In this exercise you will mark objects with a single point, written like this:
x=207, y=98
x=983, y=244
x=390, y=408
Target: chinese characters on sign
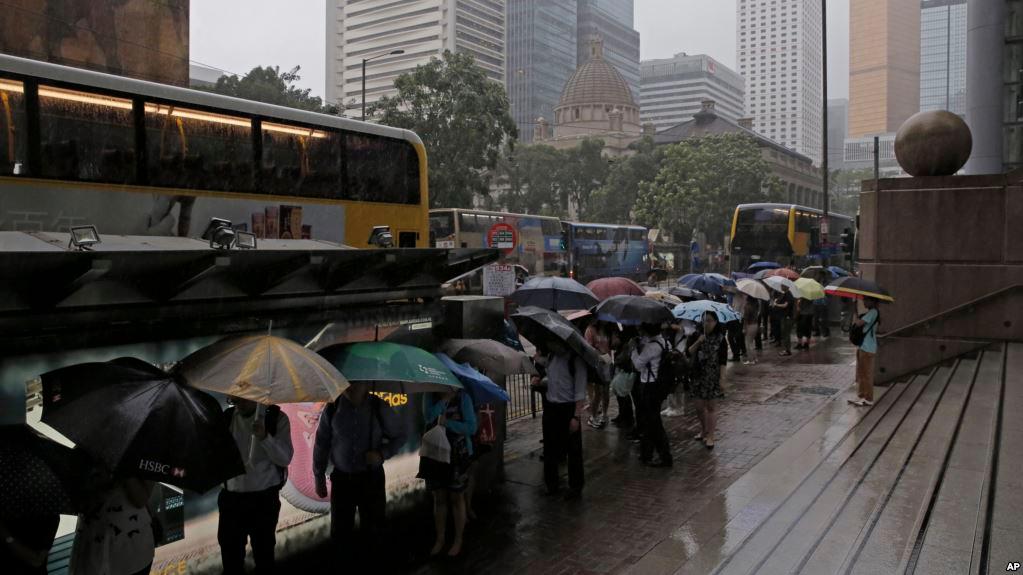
x=498, y=280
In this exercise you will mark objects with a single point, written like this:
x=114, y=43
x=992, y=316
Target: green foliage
x=463, y=119
x=271, y=86
x=614, y=201
x=845, y=190
x=701, y=181
x=543, y=180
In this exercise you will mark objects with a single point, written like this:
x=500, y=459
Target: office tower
x=780, y=57
x=423, y=29
x=943, y=55
x=672, y=89
x=611, y=21
x=541, y=58
x=884, y=65
x=838, y=119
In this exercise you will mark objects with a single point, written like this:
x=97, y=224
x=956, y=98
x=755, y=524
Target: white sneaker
x=866, y=402
x=856, y=401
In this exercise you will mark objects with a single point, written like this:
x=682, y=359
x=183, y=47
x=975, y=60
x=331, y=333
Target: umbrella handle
x=259, y=416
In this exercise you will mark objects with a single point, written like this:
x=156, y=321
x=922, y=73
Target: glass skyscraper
x=541, y=58
x=611, y=20
x=943, y=55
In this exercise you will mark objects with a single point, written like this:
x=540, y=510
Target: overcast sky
x=237, y=35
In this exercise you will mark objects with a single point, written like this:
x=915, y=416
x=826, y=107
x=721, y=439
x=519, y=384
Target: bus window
x=86, y=136
x=550, y=227
x=636, y=236
x=467, y=224
x=379, y=169
x=198, y=150
x=442, y=224
x=302, y=161
x=13, y=137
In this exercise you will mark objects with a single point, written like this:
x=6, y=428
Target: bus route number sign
x=503, y=237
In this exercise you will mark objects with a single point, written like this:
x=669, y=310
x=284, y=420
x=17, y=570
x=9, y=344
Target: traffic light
x=847, y=241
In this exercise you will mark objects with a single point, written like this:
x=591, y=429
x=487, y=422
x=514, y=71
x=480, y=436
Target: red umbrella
x=604, y=288
x=783, y=272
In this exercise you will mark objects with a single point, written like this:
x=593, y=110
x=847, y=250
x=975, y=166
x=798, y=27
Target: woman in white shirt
x=117, y=537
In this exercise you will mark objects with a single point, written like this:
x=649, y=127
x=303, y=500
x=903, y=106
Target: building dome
x=597, y=82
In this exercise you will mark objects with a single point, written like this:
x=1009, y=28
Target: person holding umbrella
x=25, y=544
x=598, y=335
x=647, y=360
x=866, y=353
x=751, y=328
x=782, y=306
x=564, y=408
x=708, y=356
x=250, y=504
x=115, y=537
x=454, y=411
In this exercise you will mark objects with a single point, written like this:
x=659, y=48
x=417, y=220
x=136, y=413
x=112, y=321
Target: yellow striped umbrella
x=265, y=369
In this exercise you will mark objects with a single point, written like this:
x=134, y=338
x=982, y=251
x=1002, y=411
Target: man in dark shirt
x=784, y=304
x=355, y=434
x=25, y=544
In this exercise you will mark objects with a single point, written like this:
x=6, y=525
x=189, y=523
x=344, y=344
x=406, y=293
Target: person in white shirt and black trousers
x=565, y=399
x=250, y=504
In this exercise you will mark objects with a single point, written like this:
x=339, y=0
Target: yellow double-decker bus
x=786, y=234
x=137, y=158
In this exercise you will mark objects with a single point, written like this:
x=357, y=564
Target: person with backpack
x=656, y=377
x=250, y=503
x=708, y=354
x=356, y=433
x=564, y=406
x=864, y=335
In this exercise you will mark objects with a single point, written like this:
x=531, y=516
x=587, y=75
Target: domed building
x=596, y=103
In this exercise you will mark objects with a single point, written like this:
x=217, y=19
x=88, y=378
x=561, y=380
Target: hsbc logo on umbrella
x=161, y=468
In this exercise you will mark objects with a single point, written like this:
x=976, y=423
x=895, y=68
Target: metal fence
x=524, y=402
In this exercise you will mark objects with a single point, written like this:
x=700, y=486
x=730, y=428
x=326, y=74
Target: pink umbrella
x=604, y=288
x=783, y=272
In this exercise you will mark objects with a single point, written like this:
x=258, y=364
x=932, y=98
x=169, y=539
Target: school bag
x=857, y=333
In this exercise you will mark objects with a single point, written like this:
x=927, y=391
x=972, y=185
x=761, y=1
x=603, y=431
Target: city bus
x=537, y=240
x=130, y=157
x=785, y=233
x=606, y=250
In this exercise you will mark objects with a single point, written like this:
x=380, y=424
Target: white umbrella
x=753, y=288
x=776, y=283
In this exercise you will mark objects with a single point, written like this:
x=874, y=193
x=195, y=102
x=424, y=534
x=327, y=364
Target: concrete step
x=802, y=511
x=1004, y=533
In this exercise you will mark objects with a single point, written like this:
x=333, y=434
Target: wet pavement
x=926, y=481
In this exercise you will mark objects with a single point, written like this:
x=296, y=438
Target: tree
x=271, y=86
x=463, y=118
x=530, y=182
x=613, y=203
x=583, y=171
x=845, y=190
x=701, y=181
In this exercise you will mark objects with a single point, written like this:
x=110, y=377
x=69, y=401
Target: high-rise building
x=838, y=128
x=884, y=65
x=611, y=21
x=943, y=55
x=781, y=57
x=423, y=29
x=994, y=85
x=541, y=58
x=672, y=89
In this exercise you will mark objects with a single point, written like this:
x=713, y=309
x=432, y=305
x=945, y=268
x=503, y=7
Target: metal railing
x=523, y=401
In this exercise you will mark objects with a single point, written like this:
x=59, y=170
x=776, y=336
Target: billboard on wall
x=136, y=38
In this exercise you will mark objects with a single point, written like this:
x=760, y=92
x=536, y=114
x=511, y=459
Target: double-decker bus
x=538, y=243
x=137, y=158
x=606, y=250
x=784, y=233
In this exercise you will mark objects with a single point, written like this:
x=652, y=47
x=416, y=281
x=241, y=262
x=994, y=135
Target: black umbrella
x=633, y=310
x=43, y=477
x=141, y=422
x=540, y=325
x=686, y=293
x=554, y=293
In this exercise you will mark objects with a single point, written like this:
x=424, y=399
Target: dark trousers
x=776, y=328
x=625, y=410
x=654, y=436
x=558, y=442
x=637, y=402
x=735, y=340
x=820, y=317
x=366, y=493
x=786, y=333
x=248, y=517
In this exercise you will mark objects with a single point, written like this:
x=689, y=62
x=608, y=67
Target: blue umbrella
x=480, y=387
x=700, y=282
x=725, y=281
x=763, y=266
x=741, y=276
x=694, y=310
x=838, y=271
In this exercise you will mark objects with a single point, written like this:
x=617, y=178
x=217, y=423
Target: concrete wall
x=936, y=244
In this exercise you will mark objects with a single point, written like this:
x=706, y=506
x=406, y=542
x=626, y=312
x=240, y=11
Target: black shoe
x=573, y=494
x=659, y=463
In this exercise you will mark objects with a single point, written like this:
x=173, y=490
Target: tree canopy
x=463, y=118
x=270, y=85
x=614, y=201
x=700, y=182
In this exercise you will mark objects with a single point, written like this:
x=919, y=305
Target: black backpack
x=857, y=333
x=672, y=368
x=272, y=416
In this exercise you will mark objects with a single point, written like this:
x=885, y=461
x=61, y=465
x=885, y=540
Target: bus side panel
x=363, y=216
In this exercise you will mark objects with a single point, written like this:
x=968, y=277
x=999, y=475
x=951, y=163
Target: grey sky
x=237, y=35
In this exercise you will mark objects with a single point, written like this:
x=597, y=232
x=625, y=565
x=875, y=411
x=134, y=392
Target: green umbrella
x=391, y=367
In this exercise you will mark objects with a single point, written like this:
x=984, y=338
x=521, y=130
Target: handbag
x=435, y=445
x=622, y=382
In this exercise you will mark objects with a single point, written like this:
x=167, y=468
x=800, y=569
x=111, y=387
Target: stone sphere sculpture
x=934, y=143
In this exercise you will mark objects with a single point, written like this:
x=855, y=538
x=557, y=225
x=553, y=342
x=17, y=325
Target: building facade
x=943, y=55
x=671, y=89
x=423, y=29
x=799, y=178
x=884, y=65
x=542, y=55
x=838, y=128
x=780, y=56
x=612, y=21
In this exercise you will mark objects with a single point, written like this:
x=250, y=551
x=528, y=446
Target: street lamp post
x=824, y=128
x=364, y=60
